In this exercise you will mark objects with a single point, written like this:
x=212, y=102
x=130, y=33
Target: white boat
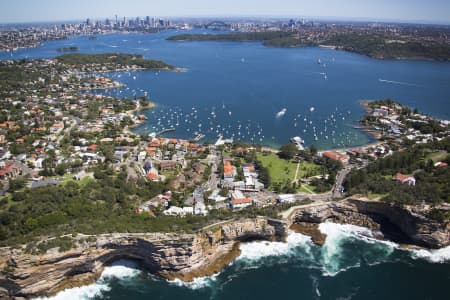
x=299, y=142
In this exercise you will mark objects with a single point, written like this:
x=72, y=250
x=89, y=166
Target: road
x=337, y=191
x=287, y=214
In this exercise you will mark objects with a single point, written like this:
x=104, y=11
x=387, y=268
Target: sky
x=428, y=11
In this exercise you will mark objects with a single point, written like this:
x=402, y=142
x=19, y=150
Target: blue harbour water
x=237, y=89
x=268, y=95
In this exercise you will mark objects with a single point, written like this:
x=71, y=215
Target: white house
x=241, y=203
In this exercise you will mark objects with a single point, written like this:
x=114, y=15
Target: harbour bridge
x=218, y=25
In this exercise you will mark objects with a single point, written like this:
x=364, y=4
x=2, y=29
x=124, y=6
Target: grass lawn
x=306, y=188
x=437, y=156
x=374, y=196
x=308, y=169
x=280, y=170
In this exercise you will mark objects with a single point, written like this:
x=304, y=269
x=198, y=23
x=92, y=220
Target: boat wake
x=281, y=113
x=396, y=82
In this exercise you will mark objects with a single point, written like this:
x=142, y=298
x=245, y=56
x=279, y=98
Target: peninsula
x=376, y=45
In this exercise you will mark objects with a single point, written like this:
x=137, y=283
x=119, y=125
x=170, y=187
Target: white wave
x=258, y=250
x=334, y=230
x=79, y=293
x=197, y=283
x=435, y=256
x=334, y=257
x=121, y=269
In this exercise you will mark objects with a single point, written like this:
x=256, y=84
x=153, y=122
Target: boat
x=198, y=137
x=299, y=142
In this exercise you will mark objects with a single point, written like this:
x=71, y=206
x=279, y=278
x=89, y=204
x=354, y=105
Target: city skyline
x=434, y=11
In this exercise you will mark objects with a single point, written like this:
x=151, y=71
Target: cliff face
x=419, y=229
x=172, y=256
x=186, y=256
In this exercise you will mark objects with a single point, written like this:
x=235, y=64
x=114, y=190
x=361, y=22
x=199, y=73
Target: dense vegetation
x=101, y=205
x=112, y=58
x=432, y=183
x=367, y=44
x=379, y=47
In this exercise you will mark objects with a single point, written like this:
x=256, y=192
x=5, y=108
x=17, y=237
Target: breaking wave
x=121, y=270
x=346, y=247
x=434, y=256
x=197, y=283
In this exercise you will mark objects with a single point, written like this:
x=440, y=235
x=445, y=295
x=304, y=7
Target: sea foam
x=435, y=256
x=257, y=250
x=197, y=283
x=121, y=269
x=84, y=292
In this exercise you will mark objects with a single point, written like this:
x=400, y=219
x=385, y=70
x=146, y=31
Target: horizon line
x=311, y=18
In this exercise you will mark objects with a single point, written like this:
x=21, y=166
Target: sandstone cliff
x=183, y=256
x=417, y=228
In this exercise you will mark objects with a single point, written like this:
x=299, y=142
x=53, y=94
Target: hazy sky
x=57, y=10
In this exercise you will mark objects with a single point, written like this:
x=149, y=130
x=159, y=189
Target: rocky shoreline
x=171, y=256
x=187, y=256
x=400, y=224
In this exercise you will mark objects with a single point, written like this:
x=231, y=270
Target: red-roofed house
x=441, y=164
x=334, y=155
x=410, y=180
x=153, y=176
x=9, y=170
x=241, y=203
x=92, y=147
x=229, y=171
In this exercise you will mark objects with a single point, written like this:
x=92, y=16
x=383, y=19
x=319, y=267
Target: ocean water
x=238, y=89
x=350, y=265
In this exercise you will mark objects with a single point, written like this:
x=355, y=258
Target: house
x=241, y=203
x=410, y=180
x=153, y=176
x=334, y=155
x=229, y=171
x=9, y=170
x=286, y=198
x=92, y=148
x=119, y=155
x=142, y=155
x=167, y=165
x=178, y=211
x=441, y=164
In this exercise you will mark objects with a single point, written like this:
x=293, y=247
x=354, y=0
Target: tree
x=313, y=149
x=16, y=184
x=223, y=193
x=61, y=169
x=288, y=151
